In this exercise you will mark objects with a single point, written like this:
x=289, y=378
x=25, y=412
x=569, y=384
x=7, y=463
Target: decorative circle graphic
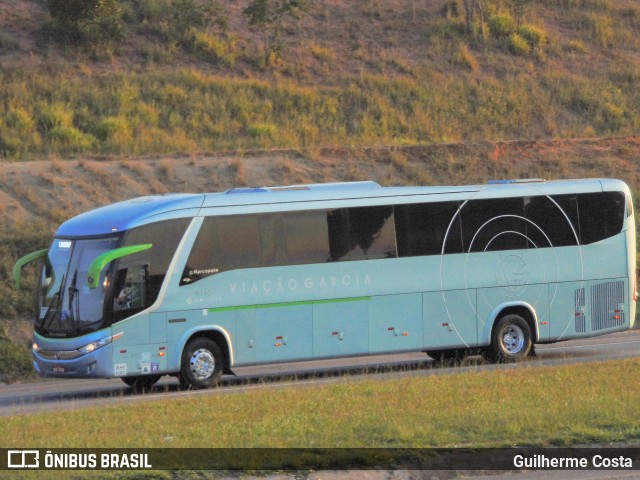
x=494, y=275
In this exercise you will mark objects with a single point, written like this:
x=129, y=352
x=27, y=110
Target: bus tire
x=511, y=340
x=449, y=356
x=202, y=364
x=141, y=381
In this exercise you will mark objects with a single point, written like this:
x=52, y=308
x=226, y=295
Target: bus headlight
x=90, y=347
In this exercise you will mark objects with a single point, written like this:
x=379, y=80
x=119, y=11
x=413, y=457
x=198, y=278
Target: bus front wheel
x=511, y=340
x=202, y=364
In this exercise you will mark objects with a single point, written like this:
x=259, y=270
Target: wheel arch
x=523, y=309
x=215, y=333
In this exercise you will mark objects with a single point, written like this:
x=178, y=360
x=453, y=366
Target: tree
x=470, y=7
x=96, y=22
x=267, y=16
x=190, y=14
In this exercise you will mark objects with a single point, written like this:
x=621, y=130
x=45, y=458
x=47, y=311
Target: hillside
x=350, y=72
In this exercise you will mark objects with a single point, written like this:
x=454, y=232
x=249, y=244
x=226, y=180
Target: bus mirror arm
x=17, y=268
x=101, y=261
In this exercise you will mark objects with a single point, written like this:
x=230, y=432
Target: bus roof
x=128, y=214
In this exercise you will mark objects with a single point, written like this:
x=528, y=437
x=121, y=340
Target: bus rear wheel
x=142, y=381
x=511, y=340
x=202, y=364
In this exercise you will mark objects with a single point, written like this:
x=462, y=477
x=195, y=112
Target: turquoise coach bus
x=193, y=285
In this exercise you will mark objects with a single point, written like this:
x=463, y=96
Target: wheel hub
x=513, y=339
x=202, y=364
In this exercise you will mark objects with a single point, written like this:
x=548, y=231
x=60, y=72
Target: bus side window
x=361, y=233
x=428, y=229
x=494, y=225
x=131, y=288
x=601, y=215
x=549, y=226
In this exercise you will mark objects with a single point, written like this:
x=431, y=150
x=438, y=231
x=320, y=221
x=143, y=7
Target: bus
x=195, y=285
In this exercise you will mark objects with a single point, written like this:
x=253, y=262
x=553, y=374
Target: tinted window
x=569, y=205
x=549, y=226
x=421, y=229
x=601, y=215
x=595, y=216
x=362, y=233
x=138, y=277
x=306, y=237
x=225, y=243
x=236, y=242
x=294, y=238
x=261, y=240
x=496, y=224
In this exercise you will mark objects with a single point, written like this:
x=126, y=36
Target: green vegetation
x=536, y=406
x=159, y=111
x=267, y=16
x=17, y=241
x=211, y=76
x=15, y=361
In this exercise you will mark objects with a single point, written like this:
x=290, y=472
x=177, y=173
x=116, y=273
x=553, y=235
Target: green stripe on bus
x=288, y=304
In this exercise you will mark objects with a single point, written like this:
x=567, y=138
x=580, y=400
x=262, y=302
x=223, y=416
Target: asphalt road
x=61, y=394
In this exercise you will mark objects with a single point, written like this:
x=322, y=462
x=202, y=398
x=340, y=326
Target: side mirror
x=103, y=260
x=17, y=268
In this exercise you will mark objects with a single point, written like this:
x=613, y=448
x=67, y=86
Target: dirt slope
x=55, y=190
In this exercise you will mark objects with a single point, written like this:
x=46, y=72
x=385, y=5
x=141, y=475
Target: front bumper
x=74, y=364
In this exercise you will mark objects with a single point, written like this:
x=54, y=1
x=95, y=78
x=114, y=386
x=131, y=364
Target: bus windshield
x=67, y=307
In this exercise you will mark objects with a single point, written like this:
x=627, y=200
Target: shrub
x=53, y=116
x=213, y=47
x=502, y=25
x=115, y=134
x=70, y=139
x=321, y=53
x=87, y=21
x=535, y=36
x=263, y=130
x=20, y=119
x=518, y=45
x=10, y=145
x=15, y=361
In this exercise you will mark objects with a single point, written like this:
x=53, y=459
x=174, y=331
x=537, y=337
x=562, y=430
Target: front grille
x=59, y=354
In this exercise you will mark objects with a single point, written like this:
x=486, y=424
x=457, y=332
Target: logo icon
x=23, y=459
x=512, y=275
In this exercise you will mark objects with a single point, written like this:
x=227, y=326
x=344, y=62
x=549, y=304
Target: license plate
x=57, y=369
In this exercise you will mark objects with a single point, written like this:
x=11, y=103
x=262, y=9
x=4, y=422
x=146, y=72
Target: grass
x=151, y=112
x=535, y=406
x=371, y=85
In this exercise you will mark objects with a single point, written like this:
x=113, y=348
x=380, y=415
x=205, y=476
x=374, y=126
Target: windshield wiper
x=74, y=307
x=57, y=299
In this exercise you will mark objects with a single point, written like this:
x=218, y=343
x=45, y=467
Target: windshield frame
x=66, y=306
